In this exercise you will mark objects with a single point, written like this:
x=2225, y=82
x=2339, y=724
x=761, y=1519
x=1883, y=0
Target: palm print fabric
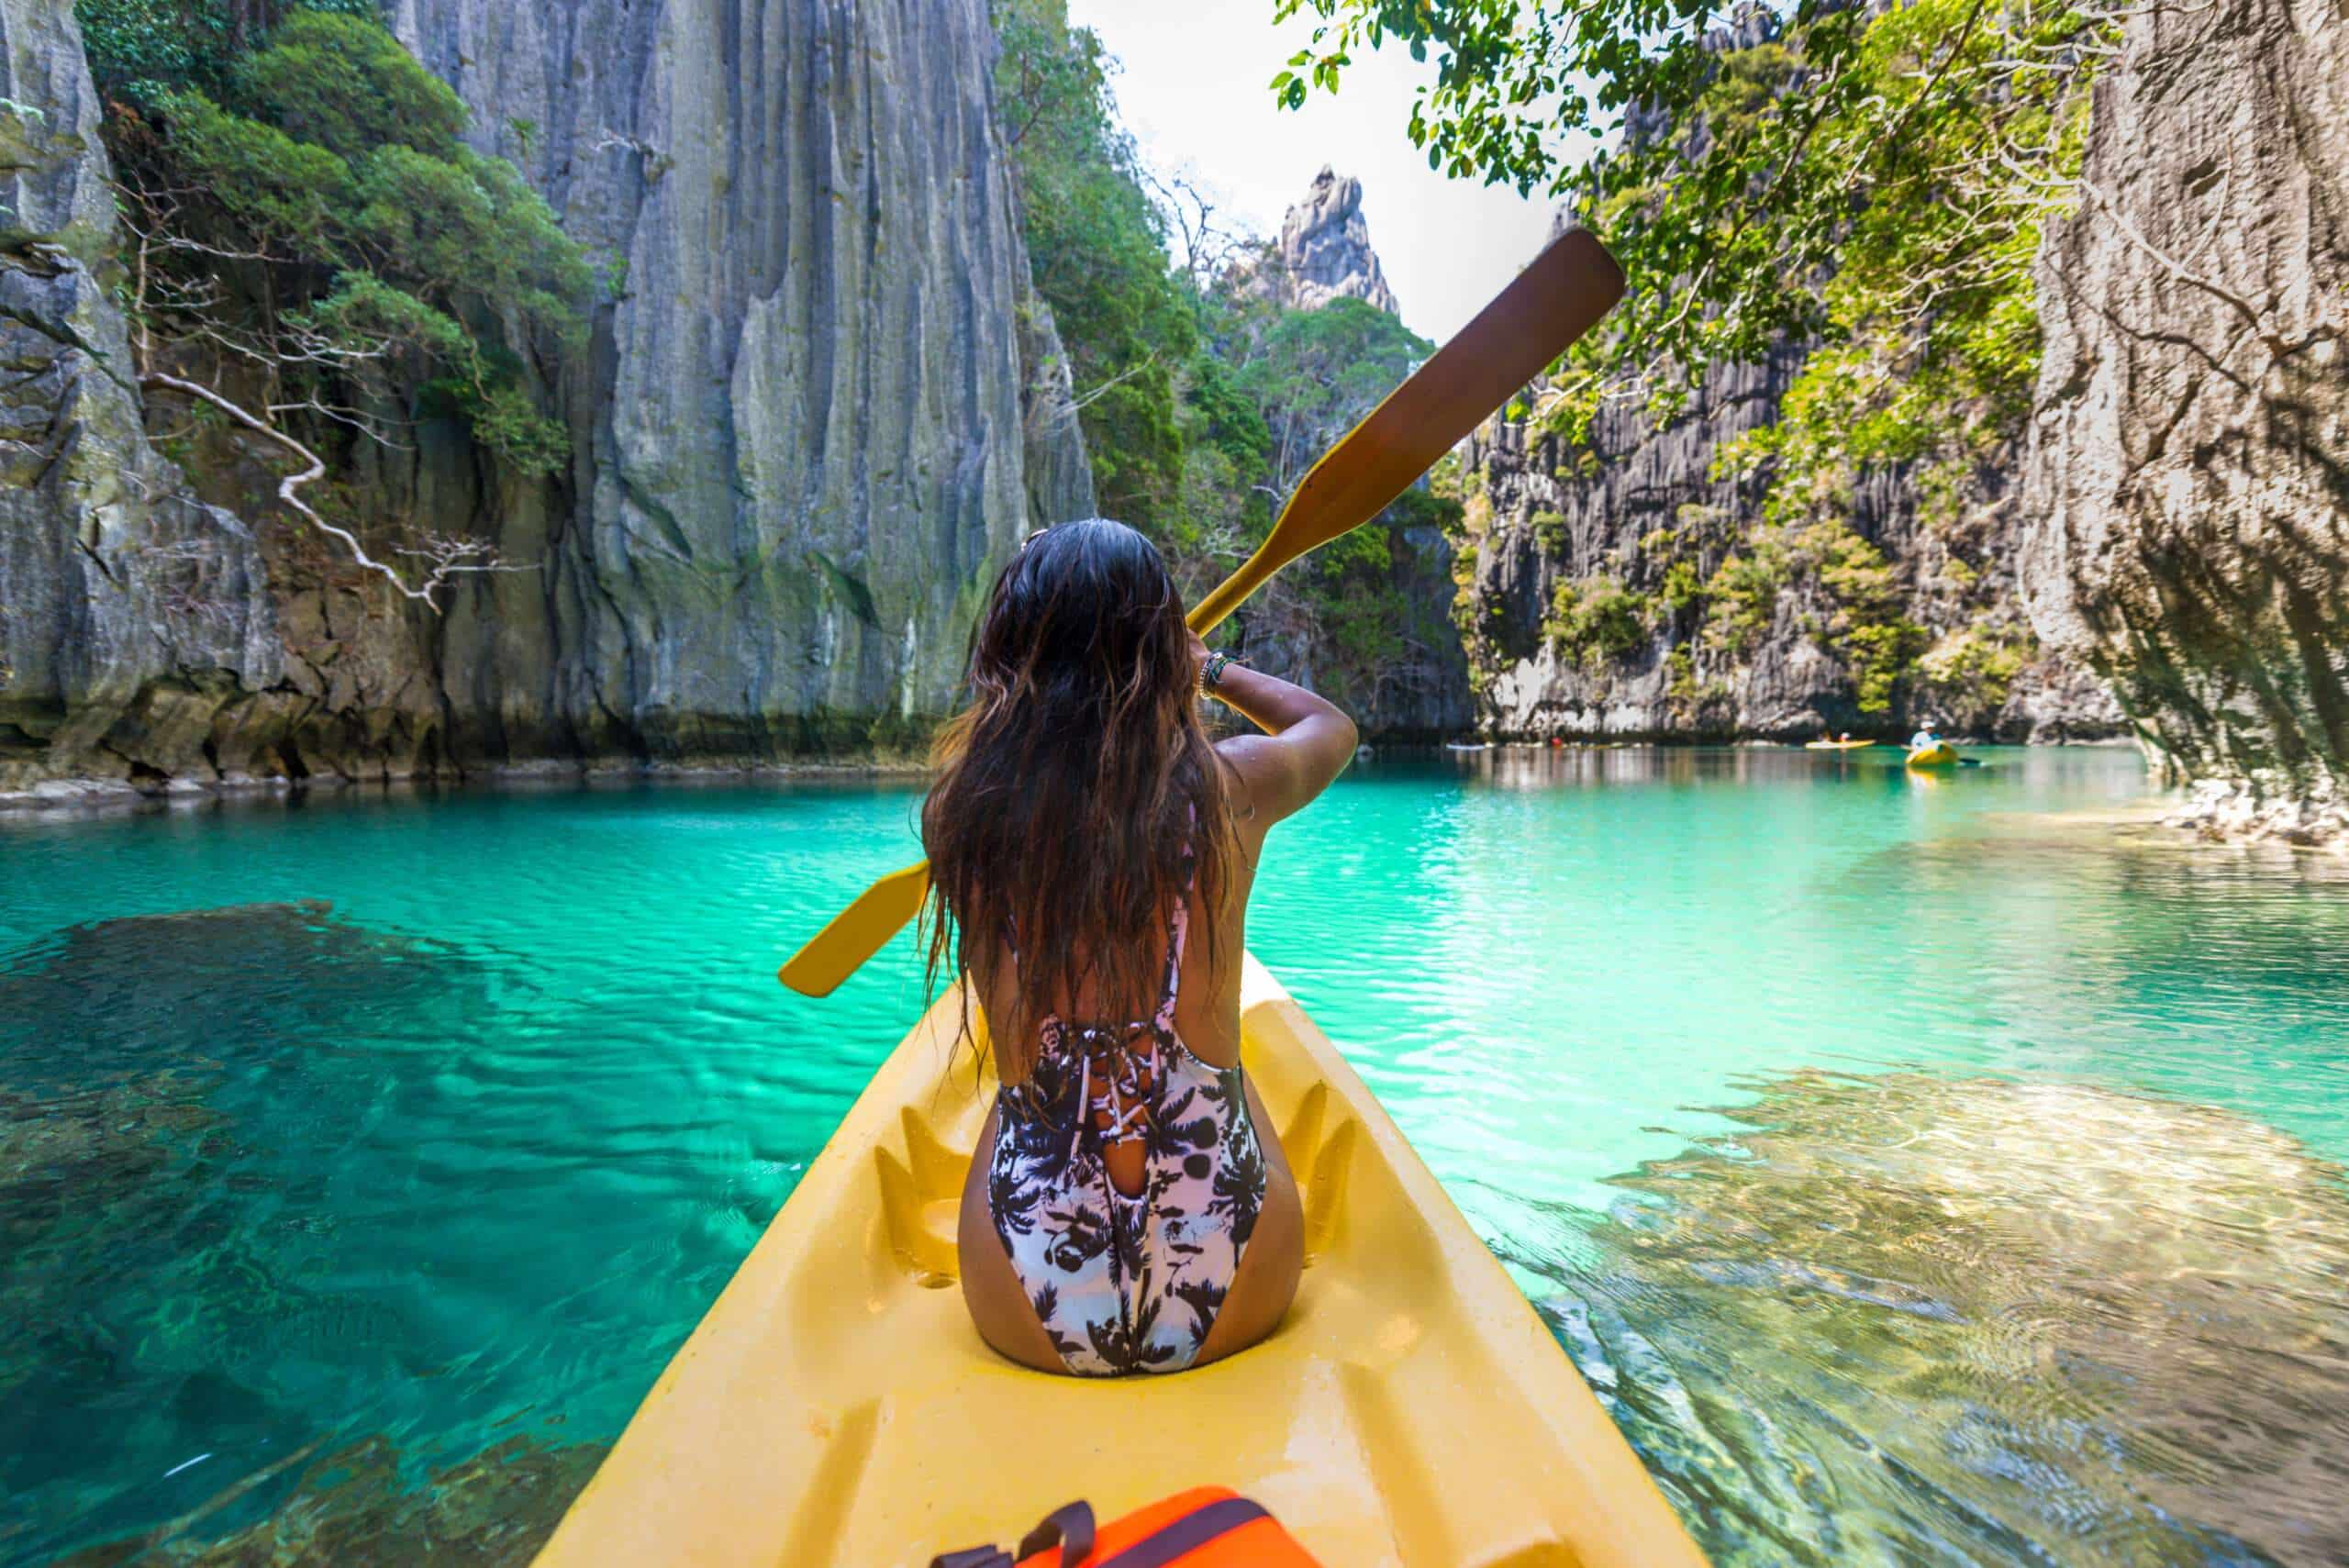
x=1126, y=1284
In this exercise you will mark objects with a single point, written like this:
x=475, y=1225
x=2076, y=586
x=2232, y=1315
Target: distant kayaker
x=1129, y=1209
x=1923, y=738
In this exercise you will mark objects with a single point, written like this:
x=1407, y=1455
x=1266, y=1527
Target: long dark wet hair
x=1077, y=792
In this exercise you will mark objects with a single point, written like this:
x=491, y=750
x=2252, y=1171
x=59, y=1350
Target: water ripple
x=362, y=1164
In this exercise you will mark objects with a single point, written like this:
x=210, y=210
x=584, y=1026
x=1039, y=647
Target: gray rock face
x=2188, y=469
x=821, y=409
x=134, y=619
x=1324, y=251
x=808, y=434
x=1417, y=695
x=1546, y=514
x=1644, y=479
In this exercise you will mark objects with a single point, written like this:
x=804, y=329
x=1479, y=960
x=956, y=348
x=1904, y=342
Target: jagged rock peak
x=1325, y=250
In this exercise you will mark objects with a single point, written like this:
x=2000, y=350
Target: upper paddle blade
x=856, y=934
x=1528, y=324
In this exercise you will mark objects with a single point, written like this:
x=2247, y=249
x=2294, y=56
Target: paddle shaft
x=1530, y=323
x=1535, y=319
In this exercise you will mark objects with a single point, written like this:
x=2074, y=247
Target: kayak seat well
x=921, y=1187
x=836, y=1406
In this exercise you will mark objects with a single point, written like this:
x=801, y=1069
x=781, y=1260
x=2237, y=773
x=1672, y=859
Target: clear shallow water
x=1920, y=1175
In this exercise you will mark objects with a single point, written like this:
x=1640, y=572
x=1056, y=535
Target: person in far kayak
x=1129, y=1209
x=1922, y=738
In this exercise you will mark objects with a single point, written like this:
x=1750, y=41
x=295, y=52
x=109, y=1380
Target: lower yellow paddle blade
x=857, y=932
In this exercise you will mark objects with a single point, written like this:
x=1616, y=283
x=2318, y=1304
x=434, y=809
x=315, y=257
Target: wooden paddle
x=1528, y=324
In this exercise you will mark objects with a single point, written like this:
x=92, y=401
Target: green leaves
x=345, y=83
x=1872, y=180
x=329, y=160
x=141, y=49
x=1595, y=619
x=1728, y=180
x=280, y=189
x=1097, y=250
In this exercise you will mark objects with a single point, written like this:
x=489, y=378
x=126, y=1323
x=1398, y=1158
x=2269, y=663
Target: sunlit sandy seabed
x=1923, y=1170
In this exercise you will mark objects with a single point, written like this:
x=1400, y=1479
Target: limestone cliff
x=2188, y=472
x=1641, y=497
x=1630, y=526
x=133, y=620
x=803, y=439
x=821, y=409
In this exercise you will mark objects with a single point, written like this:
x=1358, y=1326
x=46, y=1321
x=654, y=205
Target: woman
x=1129, y=1209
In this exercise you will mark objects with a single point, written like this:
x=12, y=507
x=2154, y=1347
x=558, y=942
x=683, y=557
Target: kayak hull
x=1941, y=754
x=1837, y=745
x=837, y=1407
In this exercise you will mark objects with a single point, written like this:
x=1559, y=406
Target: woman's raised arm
x=1307, y=740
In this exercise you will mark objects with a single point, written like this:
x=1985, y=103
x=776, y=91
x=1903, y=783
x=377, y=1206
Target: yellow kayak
x=836, y=1406
x=1939, y=754
x=1837, y=745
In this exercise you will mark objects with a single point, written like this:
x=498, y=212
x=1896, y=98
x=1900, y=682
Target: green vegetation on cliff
x=1097, y=244
x=1203, y=401
x=1906, y=157
x=314, y=253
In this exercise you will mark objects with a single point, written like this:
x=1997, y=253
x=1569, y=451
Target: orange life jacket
x=1207, y=1526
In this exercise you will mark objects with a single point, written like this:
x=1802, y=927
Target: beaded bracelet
x=1211, y=673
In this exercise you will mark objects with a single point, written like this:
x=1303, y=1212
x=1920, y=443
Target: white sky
x=1193, y=92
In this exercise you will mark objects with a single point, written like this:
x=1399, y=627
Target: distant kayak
x=1468, y=746
x=1939, y=754
x=1837, y=745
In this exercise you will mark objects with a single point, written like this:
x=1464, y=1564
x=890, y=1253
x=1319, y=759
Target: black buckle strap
x=1072, y=1529
x=1189, y=1533
x=1069, y=1527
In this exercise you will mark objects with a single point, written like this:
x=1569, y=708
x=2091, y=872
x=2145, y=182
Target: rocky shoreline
x=2243, y=811
x=105, y=794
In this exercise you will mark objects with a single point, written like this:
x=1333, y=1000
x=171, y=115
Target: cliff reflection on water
x=1901, y=1319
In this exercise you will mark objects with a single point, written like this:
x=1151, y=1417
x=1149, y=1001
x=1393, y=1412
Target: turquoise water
x=1924, y=1169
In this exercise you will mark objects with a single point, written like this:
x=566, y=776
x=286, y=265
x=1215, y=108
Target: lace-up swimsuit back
x=1126, y=1282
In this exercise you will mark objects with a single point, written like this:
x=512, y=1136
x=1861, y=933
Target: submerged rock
x=188, y=988
x=179, y=1096
x=1907, y=1319
x=357, y=1506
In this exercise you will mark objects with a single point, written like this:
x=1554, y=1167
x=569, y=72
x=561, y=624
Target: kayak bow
x=837, y=1407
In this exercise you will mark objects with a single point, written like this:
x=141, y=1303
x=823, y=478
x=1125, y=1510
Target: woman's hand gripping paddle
x=1528, y=324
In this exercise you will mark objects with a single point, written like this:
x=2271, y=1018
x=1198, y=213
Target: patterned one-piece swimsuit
x=1126, y=1284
